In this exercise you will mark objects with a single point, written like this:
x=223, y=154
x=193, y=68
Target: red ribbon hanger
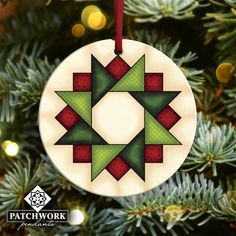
x=119, y=12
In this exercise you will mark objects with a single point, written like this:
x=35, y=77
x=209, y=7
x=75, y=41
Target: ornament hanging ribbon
x=119, y=12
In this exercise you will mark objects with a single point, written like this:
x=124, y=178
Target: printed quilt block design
x=90, y=145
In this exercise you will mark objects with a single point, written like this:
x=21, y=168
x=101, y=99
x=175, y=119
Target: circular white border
x=80, y=174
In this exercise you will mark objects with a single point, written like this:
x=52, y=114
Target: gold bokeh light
x=93, y=17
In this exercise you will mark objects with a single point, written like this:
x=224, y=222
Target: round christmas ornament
x=117, y=125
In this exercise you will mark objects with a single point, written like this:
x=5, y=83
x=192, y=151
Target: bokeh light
x=77, y=217
x=78, y=30
x=10, y=148
x=93, y=17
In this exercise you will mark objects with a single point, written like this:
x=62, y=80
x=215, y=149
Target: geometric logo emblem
x=118, y=118
x=37, y=198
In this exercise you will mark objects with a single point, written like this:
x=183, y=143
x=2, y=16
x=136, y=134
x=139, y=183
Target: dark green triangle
x=155, y=133
x=133, y=80
x=133, y=154
x=102, y=155
x=81, y=133
x=154, y=102
x=102, y=81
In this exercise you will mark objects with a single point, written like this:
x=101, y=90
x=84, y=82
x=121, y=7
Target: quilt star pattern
x=89, y=146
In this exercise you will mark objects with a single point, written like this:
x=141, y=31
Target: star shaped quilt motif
x=91, y=147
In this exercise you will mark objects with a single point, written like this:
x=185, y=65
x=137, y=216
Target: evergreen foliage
x=32, y=40
x=214, y=145
x=164, y=44
x=155, y=10
x=199, y=195
x=17, y=182
x=173, y=204
x=21, y=85
x=222, y=26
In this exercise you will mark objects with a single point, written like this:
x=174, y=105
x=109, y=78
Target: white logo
x=37, y=199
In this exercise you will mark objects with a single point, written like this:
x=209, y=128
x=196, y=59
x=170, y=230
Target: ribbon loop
x=119, y=11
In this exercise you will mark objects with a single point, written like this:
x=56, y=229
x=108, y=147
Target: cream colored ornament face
x=117, y=126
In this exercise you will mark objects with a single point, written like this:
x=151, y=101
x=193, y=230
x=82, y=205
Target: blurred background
x=199, y=36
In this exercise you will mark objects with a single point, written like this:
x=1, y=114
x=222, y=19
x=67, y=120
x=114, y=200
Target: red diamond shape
x=153, y=82
x=68, y=117
x=168, y=117
x=82, y=153
x=117, y=168
x=153, y=153
x=117, y=67
x=82, y=82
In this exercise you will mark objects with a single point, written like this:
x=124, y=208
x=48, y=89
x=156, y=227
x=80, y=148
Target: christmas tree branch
x=16, y=184
x=93, y=225
x=222, y=26
x=32, y=37
x=214, y=145
x=195, y=76
x=54, y=182
x=21, y=85
x=168, y=206
x=152, y=11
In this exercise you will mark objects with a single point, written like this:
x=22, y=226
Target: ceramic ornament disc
x=117, y=125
